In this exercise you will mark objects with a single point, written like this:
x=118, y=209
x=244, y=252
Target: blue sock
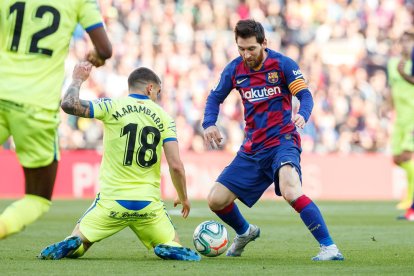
x=232, y=216
x=313, y=219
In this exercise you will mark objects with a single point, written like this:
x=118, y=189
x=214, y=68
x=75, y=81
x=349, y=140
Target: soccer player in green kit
x=34, y=42
x=136, y=130
x=403, y=100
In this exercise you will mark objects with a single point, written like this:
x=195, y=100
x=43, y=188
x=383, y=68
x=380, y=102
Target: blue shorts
x=249, y=175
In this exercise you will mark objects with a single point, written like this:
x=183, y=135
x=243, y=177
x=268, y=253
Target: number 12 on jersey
x=18, y=8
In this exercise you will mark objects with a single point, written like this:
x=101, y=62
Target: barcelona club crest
x=272, y=77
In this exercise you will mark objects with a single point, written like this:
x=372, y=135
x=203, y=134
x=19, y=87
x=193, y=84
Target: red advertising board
x=332, y=177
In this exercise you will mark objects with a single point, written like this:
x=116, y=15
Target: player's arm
x=177, y=173
x=405, y=76
x=298, y=87
x=389, y=101
x=103, y=47
x=218, y=94
x=71, y=103
x=306, y=105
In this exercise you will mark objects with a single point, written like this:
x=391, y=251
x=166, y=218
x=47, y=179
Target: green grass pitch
x=371, y=239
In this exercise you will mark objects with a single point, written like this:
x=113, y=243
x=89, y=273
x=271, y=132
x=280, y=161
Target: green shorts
x=152, y=224
x=34, y=132
x=402, y=139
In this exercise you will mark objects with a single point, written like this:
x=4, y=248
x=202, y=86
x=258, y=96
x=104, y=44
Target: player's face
x=252, y=52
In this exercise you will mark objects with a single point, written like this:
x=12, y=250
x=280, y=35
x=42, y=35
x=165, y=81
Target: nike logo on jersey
x=284, y=163
x=240, y=81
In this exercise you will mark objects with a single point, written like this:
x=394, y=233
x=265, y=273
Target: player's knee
x=291, y=190
x=216, y=203
x=220, y=197
x=291, y=194
x=213, y=203
x=289, y=184
x=213, y=200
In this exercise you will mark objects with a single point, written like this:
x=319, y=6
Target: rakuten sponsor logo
x=253, y=95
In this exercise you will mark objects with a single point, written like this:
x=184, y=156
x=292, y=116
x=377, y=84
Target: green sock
x=408, y=167
x=173, y=243
x=77, y=253
x=23, y=212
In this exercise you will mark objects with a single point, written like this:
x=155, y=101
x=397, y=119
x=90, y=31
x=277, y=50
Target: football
x=210, y=238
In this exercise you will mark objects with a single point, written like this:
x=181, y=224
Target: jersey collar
x=139, y=96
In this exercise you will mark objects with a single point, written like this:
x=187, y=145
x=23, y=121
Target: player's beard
x=256, y=62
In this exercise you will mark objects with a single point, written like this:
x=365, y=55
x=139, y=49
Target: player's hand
x=81, y=71
x=299, y=121
x=212, y=137
x=185, y=211
x=94, y=58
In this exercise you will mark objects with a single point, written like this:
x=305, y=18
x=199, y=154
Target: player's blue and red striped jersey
x=267, y=100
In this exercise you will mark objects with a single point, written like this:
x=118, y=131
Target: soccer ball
x=210, y=238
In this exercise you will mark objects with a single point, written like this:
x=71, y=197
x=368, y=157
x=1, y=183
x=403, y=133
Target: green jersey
x=402, y=93
x=34, y=42
x=135, y=129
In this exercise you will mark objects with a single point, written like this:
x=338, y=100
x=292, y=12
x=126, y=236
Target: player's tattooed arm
x=71, y=103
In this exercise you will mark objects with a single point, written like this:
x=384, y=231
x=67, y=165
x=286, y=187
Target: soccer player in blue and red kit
x=266, y=80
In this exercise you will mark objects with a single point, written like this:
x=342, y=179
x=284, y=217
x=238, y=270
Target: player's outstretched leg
x=329, y=253
x=61, y=249
x=22, y=213
x=240, y=242
x=168, y=252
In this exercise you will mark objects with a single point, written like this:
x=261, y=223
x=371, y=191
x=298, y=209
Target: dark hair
x=141, y=76
x=247, y=28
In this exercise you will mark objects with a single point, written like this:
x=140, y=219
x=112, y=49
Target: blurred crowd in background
x=341, y=46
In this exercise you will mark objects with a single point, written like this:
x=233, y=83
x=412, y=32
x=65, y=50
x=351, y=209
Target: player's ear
x=264, y=44
x=149, y=88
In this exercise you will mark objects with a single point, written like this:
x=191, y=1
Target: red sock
x=300, y=203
